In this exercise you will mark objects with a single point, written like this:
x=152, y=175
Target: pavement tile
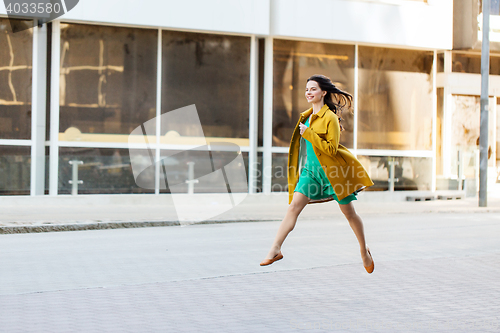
x=278, y=301
x=125, y=281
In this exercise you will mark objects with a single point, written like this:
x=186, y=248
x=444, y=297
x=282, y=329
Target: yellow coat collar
x=320, y=113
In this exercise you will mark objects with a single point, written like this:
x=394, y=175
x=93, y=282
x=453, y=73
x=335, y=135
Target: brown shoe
x=277, y=257
x=370, y=268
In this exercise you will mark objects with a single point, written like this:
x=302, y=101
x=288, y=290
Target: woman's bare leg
x=357, y=226
x=299, y=201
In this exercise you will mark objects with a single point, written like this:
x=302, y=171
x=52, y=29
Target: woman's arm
x=330, y=143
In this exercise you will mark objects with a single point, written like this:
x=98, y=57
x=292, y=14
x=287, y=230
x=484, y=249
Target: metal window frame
x=159, y=70
x=253, y=129
x=38, y=110
x=268, y=117
x=268, y=149
x=54, y=108
x=55, y=144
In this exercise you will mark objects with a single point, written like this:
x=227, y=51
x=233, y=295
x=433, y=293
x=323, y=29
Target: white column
x=448, y=153
x=268, y=117
x=54, y=108
x=434, y=122
x=158, y=112
x=38, y=110
x=253, y=116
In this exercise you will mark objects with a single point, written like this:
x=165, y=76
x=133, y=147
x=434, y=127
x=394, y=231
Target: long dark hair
x=336, y=99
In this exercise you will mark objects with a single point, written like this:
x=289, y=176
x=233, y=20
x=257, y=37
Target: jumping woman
x=330, y=171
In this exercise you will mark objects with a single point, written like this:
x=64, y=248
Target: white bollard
x=191, y=181
x=74, y=182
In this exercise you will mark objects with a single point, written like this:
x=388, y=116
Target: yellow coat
x=345, y=173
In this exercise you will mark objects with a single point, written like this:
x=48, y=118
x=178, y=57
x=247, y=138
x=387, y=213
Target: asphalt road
x=434, y=272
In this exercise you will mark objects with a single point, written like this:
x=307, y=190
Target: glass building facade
x=294, y=63
x=395, y=99
x=15, y=82
x=107, y=84
x=111, y=80
x=15, y=108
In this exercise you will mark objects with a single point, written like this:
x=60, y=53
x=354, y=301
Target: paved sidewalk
x=435, y=272
x=439, y=295
x=66, y=213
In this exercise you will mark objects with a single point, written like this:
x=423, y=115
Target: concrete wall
x=467, y=34
x=465, y=25
x=399, y=23
x=388, y=22
x=235, y=16
x=467, y=84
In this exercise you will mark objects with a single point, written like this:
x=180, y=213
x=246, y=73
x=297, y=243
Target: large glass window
x=471, y=63
x=102, y=171
x=260, y=173
x=15, y=169
x=16, y=51
x=440, y=62
x=279, y=177
x=395, y=99
x=212, y=72
x=203, y=167
x=294, y=63
x=409, y=173
x=107, y=81
x=465, y=129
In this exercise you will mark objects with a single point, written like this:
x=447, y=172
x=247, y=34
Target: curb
x=24, y=229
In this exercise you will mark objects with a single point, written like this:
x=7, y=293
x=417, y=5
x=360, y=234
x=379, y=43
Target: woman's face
x=313, y=92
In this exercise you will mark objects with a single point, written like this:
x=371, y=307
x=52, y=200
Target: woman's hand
x=328, y=142
x=302, y=128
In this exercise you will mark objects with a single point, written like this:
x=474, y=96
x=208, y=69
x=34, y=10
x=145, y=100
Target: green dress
x=313, y=182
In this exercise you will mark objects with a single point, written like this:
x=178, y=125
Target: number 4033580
x=33, y=8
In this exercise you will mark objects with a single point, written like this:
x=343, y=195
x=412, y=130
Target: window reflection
x=107, y=82
x=465, y=130
x=15, y=168
x=471, y=63
x=410, y=173
x=395, y=99
x=15, y=81
x=103, y=171
x=440, y=62
x=212, y=72
x=294, y=63
x=260, y=173
x=279, y=177
x=176, y=167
